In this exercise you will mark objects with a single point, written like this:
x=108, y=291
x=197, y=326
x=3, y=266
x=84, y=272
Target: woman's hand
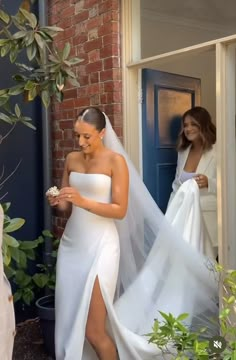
x=71, y=195
x=53, y=200
x=202, y=181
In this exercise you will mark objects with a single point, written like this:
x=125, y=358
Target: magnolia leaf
x=73, y=82
x=16, y=90
x=15, y=254
x=3, y=100
x=70, y=73
x=13, y=54
x=29, y=39
x=5, y=50
x=17, y=111
x=52, y=28
x=32, y=93
x=39, y=40
x=45, y=98
x=4, y=17
x=30, y=17
x=66, y=51
x=31, y=51
x=75, y=61
x=19, y=34
x=5, y=118
x=29, y=125
x=10, y=241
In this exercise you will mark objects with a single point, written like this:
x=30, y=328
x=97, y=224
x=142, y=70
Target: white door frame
x=225, y=115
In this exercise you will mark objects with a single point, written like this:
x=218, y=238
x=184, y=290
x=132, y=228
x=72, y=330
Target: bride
x=119, y=261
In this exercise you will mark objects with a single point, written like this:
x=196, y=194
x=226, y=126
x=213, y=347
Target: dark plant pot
x=46, y=313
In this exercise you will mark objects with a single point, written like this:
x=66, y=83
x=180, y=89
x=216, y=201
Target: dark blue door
x=165, y=98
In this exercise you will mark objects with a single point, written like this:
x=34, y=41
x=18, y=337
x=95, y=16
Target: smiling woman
x=197, y=160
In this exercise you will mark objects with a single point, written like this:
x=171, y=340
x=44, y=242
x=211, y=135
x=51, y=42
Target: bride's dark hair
x=93, y=116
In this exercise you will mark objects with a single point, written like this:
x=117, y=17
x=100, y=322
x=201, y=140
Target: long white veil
x=158, y=269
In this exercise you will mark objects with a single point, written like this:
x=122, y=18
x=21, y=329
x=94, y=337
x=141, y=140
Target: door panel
x=165, y=98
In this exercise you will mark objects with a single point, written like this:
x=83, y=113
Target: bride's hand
x=53, y=200
x=71, y=195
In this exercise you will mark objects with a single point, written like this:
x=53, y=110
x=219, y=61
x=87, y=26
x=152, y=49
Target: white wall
x=158, y=37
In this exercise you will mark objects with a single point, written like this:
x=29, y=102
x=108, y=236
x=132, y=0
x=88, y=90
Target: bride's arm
x=119, y=200
x=60, y=204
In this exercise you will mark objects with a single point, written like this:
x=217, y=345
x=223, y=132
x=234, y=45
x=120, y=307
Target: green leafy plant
x=16, y=257
x=175, y=339
x=48, y=69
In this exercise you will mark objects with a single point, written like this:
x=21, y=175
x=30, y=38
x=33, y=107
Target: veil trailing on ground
x=158, y=269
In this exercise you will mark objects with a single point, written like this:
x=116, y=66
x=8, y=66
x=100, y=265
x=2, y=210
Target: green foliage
x=175, y=339
x=48, y=70
x=16, y=257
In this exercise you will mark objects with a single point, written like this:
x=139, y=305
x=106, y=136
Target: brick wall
x=93, y=29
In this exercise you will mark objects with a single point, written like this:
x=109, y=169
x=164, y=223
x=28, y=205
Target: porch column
x=226, y=153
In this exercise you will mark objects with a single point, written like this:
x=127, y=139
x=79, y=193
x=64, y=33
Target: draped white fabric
x=185, y=215
x=7, y=319
x=159, y=270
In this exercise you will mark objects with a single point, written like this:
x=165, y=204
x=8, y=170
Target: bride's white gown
x=90, y=248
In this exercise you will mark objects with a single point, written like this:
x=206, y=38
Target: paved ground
x=28, y=342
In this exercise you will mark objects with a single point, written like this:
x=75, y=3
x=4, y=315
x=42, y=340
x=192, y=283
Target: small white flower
x=53, y=191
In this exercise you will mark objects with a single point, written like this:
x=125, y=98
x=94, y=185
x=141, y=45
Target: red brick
x=111, y=39
x=94, y=23
x=93, y=44
x=68, y=12
x=108, y=5
x=106, y=75
x=108, y=28
x=89, y=3
x=82, y=101
x=110, y=16
x=111, y=63
x=94, y=77
x=94, y=55
x=66, y=124
x=110, y=86
x=109, y=50
x=57, y=135
x=70, y=94
x=82, y=16
x=93, y=67
x=64, y=23
x=79, y=39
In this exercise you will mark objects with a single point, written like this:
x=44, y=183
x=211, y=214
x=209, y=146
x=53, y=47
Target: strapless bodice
x=92, y=186
x=84, y=223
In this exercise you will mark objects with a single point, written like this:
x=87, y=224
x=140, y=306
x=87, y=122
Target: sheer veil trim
x=158, y=269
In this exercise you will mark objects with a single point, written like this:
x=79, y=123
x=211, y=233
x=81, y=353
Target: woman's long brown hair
x=206, y=127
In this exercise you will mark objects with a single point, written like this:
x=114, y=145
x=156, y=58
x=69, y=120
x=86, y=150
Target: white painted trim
x=131, y=49
x=176, y=54
x=226, y=151
x=156, y=16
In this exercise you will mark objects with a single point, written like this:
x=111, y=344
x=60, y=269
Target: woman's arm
x=119, y=200
x=62, y=205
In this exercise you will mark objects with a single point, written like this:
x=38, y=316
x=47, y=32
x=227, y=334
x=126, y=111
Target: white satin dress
x=90, y=248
